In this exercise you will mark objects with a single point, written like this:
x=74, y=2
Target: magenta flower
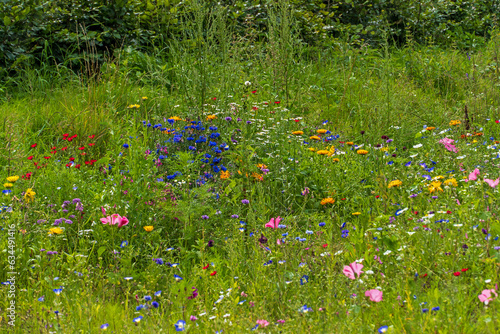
x=263, y=323
x=473, y=176
x=485, y=296
x=492, y=183
x=274, y=222
x=448, y=144
x=115, y=219
x=375, y=295
x=353, y=268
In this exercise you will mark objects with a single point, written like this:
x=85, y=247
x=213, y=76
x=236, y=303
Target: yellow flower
x=362, y=152
x=384, y=149
x=321, y=131
x=8, y=185
x=356, y=213
x=336, y=159
x=29, y=195
x=395, y=183
x=327, y=200
x=312, y=149
x=297, y=133
x=315, y=137
x=261, y=166
x=148, y=228
x=144, y=97
x=133, y=106
x=435, y=185
x=350, y=143
x=455, y=122
x=13, y=178
x=331, y=151
x=257, y=177
x=451, y=182
x=56, y=230
x=211, y=117
x=176, y=118
x=224, y=175
x=430, y=128
x=322, y=152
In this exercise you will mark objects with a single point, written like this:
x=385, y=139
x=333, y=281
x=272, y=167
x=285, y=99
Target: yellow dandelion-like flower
x=133, y=106
x=211, y=117
x=144, y=97
x=451, y=182
x=13, y=178
x=312, y=149
x=315, y=138
x=455, y=122
x=224, y=175
x=261, y=166
x=321, y=131
x=29, y=195
x=395, y=183
x=435, y=186
x=350, y=143
x=331, y=151
x=362, y=152
x=356, y=213
x=430, y=128
x=327, y=200
x=8, y=185
x=384, y=149
x=336, y=159
x=297, y=133
x=56, y=230
x=176, y=118
x=148, y=228
x=323, y=152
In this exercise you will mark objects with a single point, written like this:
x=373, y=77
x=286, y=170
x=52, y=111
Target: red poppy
x=77, y=166
x=27, y=176
x=341, y=142
x=448, y=212
x=74, y=136
x=297, y=120
x=68, y=165
x=456, y=273
x=266, y=103
x=255, y=108
x=277, y=102
x=206, y=267
x=30, y=157
x=425, y=275
x=254, y=91
x=47, y=158
x=415, y=212
x=214, y=98
x=497, y=121
x=71, y=159
x=64, y=148
x=91, y=144
x=213, y=274
x=33, y=146
x=378, y=196
x=70, y=139
x=53, y=151
x=92, y=136
x=81, y=148
x=464, y=270
x=65, y=135
x=325, y=245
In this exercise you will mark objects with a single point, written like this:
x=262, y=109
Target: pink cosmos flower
x=353, y=268
x=375, y=295
x=448, y=144
x=281, y=321
x=263, y=323
x=473, y=176
x=274, y=222
x=115, y=219
x=485, y=296
x=492, y=183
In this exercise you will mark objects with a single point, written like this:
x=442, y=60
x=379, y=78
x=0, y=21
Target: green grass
x=392, y=93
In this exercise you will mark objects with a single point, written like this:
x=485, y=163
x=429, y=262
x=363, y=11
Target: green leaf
x=100, y=251
x=7, y=21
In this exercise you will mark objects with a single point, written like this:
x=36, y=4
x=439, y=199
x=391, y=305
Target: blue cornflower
x=406, y=164
x=125, y=145
x=124, y=243
x=305, y=309
x=435, y=308
x=105, y=326
x=158, y=293
x=57, y=291
x=383, y=329
x=180, y=325
x=155, y=304
x=304, y=279
x=255, y=327
x=309, y=232
x=425, y=310
x=147, y=298
x=178, y=278
x=345, y=233
x=140, y=307
x=41, y=299
x=322, y=224
x=138, y=319
x=158, y=261
x=281, y=226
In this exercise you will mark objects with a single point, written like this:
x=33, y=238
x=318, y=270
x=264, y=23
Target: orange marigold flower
x=297, y=133
x=350, y=143
x=321, y=131
x=362, y=152
x=430, y=128
x=395, y=183
x=315, y=137
x=327, y=200
x=224, y=175
x=323, y=152
x=211, y=117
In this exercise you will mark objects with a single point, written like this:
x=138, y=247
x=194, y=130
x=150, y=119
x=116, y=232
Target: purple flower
x=204, y=217
x=389, y=141
x=249, y=122
x=228, y=118
x=235, y=216
x=76, y=200
x=57, y=221
x=245, y=201
x=210, y=243
x=67, y=221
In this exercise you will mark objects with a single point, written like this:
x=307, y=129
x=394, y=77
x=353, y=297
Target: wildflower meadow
x=270, y=187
